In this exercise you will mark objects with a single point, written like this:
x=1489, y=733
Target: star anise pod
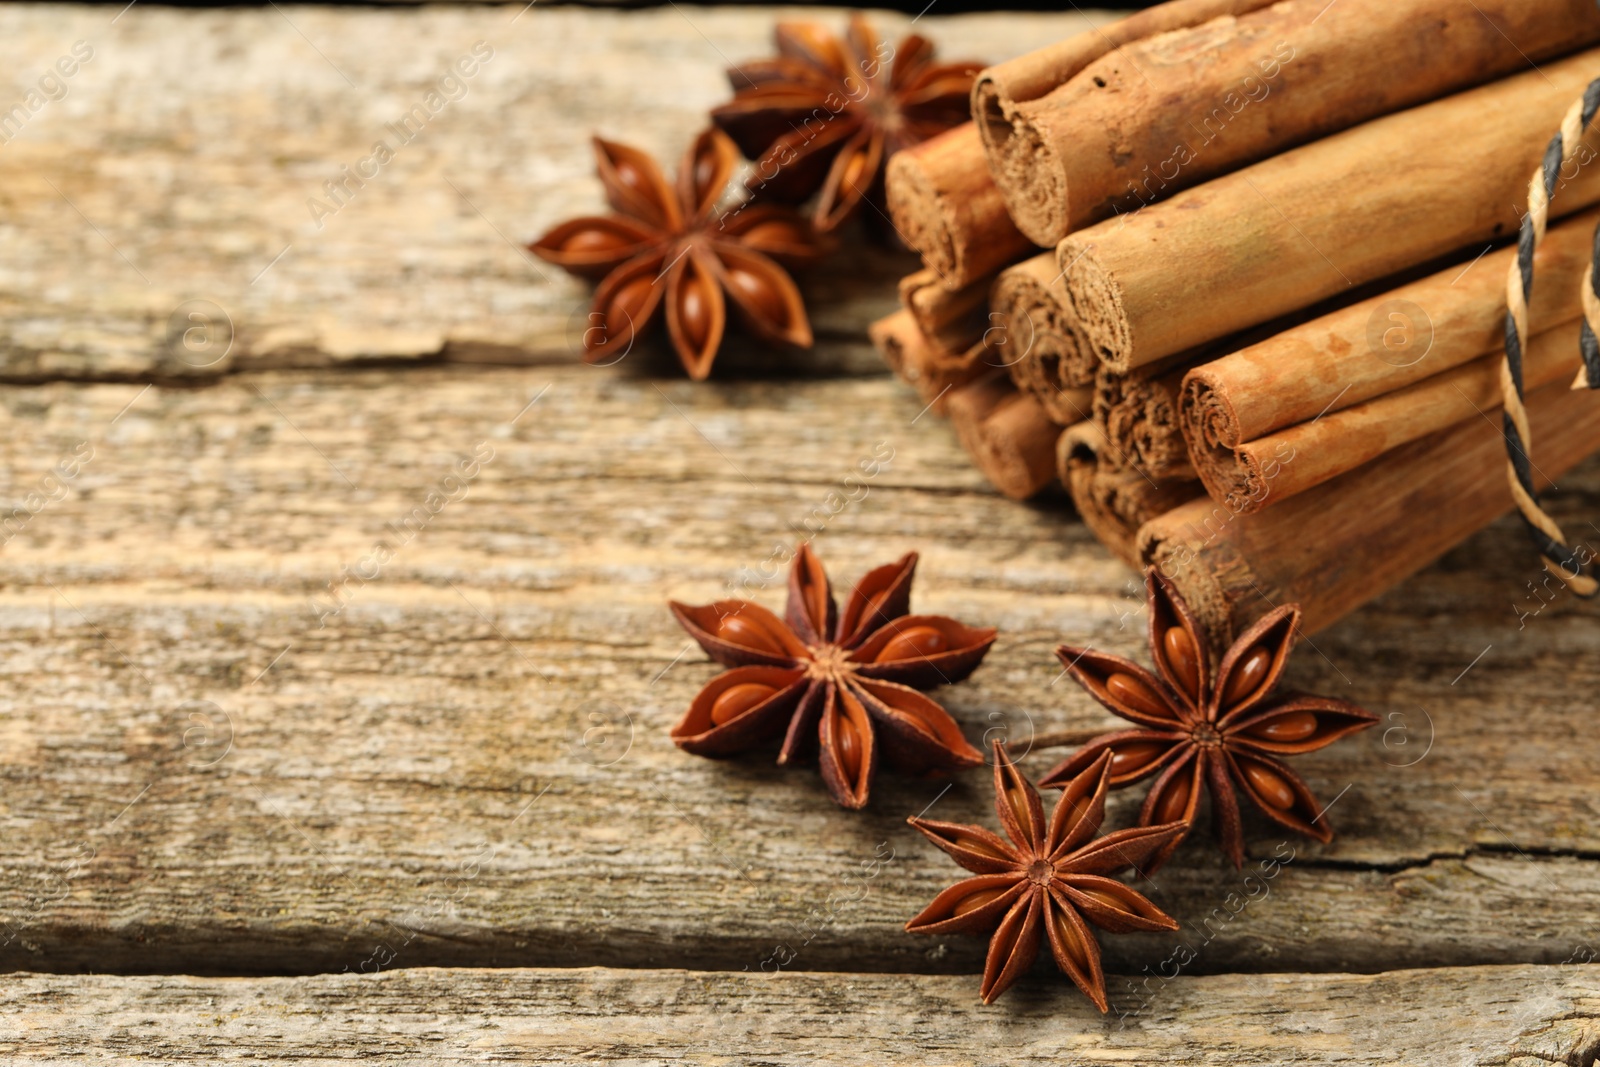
x=1210, y=724
x=667, y=245
x=827, y=114
x=1046, y=881
x=842, y=685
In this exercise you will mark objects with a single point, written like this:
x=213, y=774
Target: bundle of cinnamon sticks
x=1233, y=273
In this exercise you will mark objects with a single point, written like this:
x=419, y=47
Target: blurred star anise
x=827, y=114
x=1047, y=882
x=839, y=685
x=1223, y=730
x=668, y=245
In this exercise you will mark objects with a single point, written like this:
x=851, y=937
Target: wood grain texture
x=351, y=792
x=206, y=769
x=1516, y=1016
x=183, y=162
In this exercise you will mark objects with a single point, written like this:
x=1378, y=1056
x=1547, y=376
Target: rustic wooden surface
x=181, y=164
x=1438, y=1017
x=467, y=765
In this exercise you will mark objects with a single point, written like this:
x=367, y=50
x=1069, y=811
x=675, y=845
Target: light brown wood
x=1270, y=469
x=1386, y=342
x=1276, y=237
x=1166, y=112
x=646, y=1017
x=945, y=206
x=119, y=216
x=516, y=659
x=1344, y=542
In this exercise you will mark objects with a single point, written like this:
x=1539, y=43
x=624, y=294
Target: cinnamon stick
x=1007, y=434
x=945, y=205
x=953, y=319
x=1270, y=469
x=1167, y=112
x=1139, y=412
x=1321, y=219
x=1114, y=500
x=999, y=90
x=1039, y=341
x=933, y=372
x=1335, y=547
x=1377, y=345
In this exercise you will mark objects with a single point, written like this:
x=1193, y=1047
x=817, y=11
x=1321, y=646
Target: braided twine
x=1545, y=533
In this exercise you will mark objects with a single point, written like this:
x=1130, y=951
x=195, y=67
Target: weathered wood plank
x=191, y=151
x=1485, y=1015
x=468, y=763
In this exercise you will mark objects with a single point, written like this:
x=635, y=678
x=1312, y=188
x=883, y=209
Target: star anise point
x=667, y=246
x=824, y=115
x=1208, y=722
x=845, y=687
x=1043, y=880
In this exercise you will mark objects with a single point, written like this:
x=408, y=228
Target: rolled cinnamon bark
x=945, y=205
x=1381, y=344
x=952, y=319
x=999, y=90
x=1335, y=547
x=1139, y=412
x=1007, y=434
x=1114, y=501
x=1038, y=341
x=1273, y=468
x=1167, y=112
x=933, y=372
x=1321, y=219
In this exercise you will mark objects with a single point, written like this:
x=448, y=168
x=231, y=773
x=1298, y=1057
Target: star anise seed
x=840, y=685
x=827, y=113
x=1210, y=722
x=667, y=245
x=1045, y=882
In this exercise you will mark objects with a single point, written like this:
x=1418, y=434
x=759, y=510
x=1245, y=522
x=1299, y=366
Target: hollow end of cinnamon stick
x=1114, y=500
x=1336, y=546
x=1219, y=258
x=1140, y=413
x=1077, y=465
x=1211, y=432
x=952, y=319
x=1015, y=120
x=933, y=372
x=1277, y=466
x=1007, y=433
x=1038, y=340
x=1375, y=346
x=1031, y=177
x=1095, y=299
x=945, y=205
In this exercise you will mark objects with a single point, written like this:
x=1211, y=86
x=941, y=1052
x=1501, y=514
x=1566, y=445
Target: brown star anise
x=1205, y=724
x=839, y=683
x=1049, y=882
x=826, y=113
x=670, y=242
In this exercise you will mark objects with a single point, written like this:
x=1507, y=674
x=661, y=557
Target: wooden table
x=445, y=820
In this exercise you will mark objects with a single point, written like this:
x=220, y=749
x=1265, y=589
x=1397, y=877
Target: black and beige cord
x=1547, y=537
